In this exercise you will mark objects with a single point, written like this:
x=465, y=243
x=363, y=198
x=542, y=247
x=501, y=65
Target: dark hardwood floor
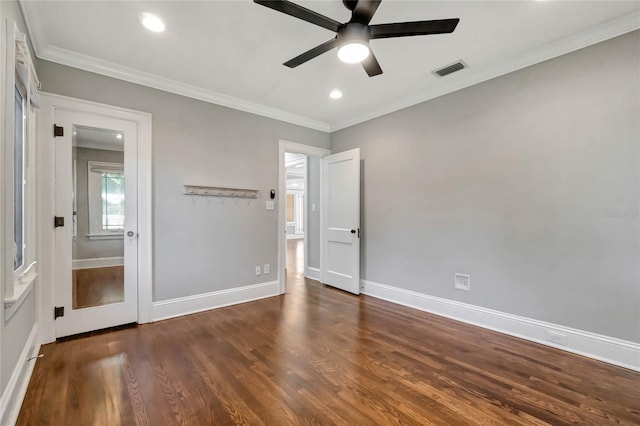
x=321, y=356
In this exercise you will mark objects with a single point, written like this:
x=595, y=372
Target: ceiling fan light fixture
x=353, y=52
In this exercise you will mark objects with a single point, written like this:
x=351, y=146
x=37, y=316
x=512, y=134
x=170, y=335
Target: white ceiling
x=231, y=52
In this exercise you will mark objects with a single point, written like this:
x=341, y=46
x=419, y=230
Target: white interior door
x=341, y=212
x=97, y=248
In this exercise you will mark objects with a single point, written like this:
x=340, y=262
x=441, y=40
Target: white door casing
x=341, y=213
x=77, y=321
x=309, y=151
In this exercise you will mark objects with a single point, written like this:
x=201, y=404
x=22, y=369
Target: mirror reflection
x=98, y=217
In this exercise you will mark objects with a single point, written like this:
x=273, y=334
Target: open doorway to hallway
x=302, y=215
x=296, y=171
x=299, y=211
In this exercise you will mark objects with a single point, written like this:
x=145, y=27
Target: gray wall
x=201, y=244
x=519, y=181
x=15, y=332
x=313, y=218
x=83, y=247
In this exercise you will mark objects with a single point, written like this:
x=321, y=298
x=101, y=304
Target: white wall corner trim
x=132, y=75
x=313, y=273
x=571, y=43
x=16, y=389
x=217, y=299
x=603, y=348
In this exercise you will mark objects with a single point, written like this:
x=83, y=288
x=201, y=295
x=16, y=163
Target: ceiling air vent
x=450, y=69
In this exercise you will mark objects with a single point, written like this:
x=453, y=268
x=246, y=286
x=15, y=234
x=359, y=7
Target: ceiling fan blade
x=406, y=29
x=300, y=12
x=364, y=11
x=310, y=54
x=371, y=65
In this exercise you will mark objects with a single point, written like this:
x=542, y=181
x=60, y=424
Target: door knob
x=353, y=231
x=131, y=234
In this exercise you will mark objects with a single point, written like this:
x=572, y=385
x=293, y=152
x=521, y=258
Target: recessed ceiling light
x=119, y=136
x=152, y=22
x=353, y=52
x=75, y=133
x=335, y=94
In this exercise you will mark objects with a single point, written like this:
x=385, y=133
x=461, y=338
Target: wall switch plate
x=557, y=338
x=270, y=205
x=313, y=207
x=258, y=270
x=266, y=269
x=462, y=282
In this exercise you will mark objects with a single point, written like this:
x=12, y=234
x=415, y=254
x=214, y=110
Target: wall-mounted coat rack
x=217, y=191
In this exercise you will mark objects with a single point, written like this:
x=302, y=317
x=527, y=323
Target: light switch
x=270, y=205
x=313, y=207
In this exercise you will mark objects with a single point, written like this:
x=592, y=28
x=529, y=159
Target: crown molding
x=605, y=31
x=581, y=39
x=132, y=75
x=89, y=63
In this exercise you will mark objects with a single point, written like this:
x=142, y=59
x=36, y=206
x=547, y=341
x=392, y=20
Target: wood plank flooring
x=97, y=286
x=319, y=356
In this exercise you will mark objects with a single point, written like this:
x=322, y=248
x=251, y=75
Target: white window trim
x=19, y=71
x=94, y=197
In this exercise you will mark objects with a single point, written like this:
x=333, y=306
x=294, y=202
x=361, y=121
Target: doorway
x=296, y=175
x=299, y=218
x=96, y=246
x=94, y=176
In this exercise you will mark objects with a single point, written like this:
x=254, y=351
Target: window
x=19, y=114
x=106, y=199
x=18, y=179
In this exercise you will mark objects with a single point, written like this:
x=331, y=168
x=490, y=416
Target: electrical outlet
x=462, y=282
x=266, y=269
x=557, y=338
x=258, y=270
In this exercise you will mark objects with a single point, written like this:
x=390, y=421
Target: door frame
x=309, y=151
x=45, y=154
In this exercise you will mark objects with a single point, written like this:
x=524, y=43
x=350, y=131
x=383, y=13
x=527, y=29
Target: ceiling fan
x=352, y=38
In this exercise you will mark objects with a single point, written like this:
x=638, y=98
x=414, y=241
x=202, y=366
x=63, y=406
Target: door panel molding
x=341, y=220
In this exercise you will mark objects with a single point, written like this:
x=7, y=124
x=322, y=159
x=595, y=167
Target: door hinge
x=58, y=131
x=58, y=221
x=58, y=311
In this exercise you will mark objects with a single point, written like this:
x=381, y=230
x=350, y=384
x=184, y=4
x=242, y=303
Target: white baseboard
x=313, y=273
x=217, y=299
x=603, y=348
x=102, y=262
x=16, y=389
x=295, y=236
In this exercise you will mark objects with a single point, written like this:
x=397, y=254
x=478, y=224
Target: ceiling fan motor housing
x=350, y=4
x=354, y=31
